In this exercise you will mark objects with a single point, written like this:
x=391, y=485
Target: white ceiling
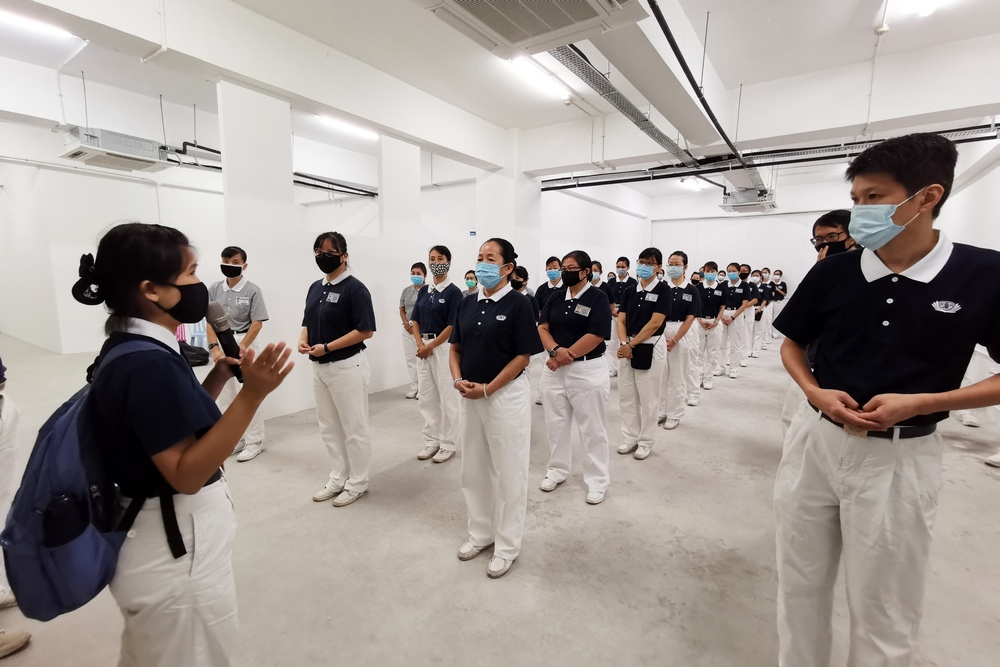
x=750, y=41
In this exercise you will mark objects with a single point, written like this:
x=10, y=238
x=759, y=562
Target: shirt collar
x=683, y=285
x=339, y=279
x=155, y=331
x=738, y=283
x=239, y=285
x=504, y=291
x=923, y=271
x=710, y=285
x=557, y=285
x=570, y=298
x=622, y=280
x=431, y=287
x=652, y=285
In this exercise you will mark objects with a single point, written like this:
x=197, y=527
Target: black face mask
x=328, y=263
x=193, y=305
x=744, y=276
x=834, y=248
x=516, y=284
x=571, y=278
x=231, y=270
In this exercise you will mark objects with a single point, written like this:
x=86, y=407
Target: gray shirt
x=408, y=299
x=244, y=303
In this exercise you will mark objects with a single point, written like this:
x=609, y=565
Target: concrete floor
x=676, y=567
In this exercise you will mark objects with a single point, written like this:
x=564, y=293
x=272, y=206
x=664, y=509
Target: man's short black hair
x=623, y=259
x=839, y=219
x=421, y=266
x=553, y=259
x=232, y=251
x=653, y=254
x=746, y=265
x=915, y=161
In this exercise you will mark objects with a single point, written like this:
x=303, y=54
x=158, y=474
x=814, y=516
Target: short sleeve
x=801, y=319
x=415, y=311
x=456, y=332
x=454, y=299
x=546, y=312
x=163, y=403
x=600, y=316
x=402, y=298
x=526, y=339
x=663, y=302
x=990, y=338
x=258, y=311
x=362, y=312
x=695, y=301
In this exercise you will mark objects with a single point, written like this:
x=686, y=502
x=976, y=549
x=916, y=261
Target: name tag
x=739, y=291
x=652, y=297
x=582, y=310
x=687, y=297
x=718, y=292
x=332, y=297
x=242, y=301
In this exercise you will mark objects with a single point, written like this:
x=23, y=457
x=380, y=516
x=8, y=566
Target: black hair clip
x=85, y=290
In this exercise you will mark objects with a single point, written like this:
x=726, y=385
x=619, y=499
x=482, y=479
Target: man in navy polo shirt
x=896, y=326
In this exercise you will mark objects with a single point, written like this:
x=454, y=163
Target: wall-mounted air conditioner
x=111, y=150
x=511, y=28
x=748, y=201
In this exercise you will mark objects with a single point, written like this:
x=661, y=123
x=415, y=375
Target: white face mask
x=754, y=279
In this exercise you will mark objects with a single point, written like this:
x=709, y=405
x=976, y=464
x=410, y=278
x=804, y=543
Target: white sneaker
x=694, y=401
x=626, y=448
x=595, y=497
x=754, y=355
x=719, y=372
x=708, y=384
x=326, y=493
x=743, y=364
x=12, y=641
x=642, y=452
x=412, y=393
x=661, y=420
x=968, y=418
x=671, y=424
x=250, y=452
x=7, y=598
x=992, y=460
x=468, y=551
x=348, y=497
x=549, y=484
x=240, y=446
x=427, y=452
x=443, y=455
x=732, y=373
x=498, y=567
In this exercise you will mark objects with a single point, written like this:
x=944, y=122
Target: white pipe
x=163, y=37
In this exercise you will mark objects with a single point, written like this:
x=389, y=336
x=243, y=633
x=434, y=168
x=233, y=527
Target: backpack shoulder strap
x=124, y=349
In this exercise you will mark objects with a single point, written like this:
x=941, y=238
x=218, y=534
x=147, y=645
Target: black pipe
x=725, y=190
x=694, y=84
x=186, y=144
x=329, y=189
x=362, y=191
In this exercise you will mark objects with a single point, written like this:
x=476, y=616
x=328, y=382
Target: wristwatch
x=212, y=346
x=552, y=352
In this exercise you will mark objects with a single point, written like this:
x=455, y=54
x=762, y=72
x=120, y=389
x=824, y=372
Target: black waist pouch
x=642, y=356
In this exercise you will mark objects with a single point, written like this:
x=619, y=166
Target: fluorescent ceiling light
x=923, y=8
x=692, y=183
x=540, y=78
x=25, y=24
x=348, y=128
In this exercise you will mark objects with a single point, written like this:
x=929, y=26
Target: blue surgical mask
x=643, y=271
x=417, y=280
x=710, y=277
x=872, y=226
x=553, y=274
x=488, y=274
x=675, y=272
x=732, y=275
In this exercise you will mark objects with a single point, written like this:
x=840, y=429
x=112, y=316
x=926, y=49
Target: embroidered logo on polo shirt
x=501, y=318
x=946, y=306
x=440, y=300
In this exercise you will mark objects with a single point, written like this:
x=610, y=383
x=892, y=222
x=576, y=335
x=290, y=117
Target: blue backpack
x=61, y=543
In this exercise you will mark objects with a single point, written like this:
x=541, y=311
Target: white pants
x=733, y=339
x=8, y=443
x=536, y=366
x=410, y=354
x=778, y=307
x=639, y=396
x=496, y=445
x=762, y=329
x=790, y=407
x=341, y=389
x=747, y=319
x=872, y=501
x=438, y=399
x=672, y=385
x=707, y=360
x=611, y=354
x=769, y=315
x=255, y=431
x=179, y=611
x=578, y=394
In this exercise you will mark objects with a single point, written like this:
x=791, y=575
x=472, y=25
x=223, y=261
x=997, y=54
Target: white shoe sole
x=322, y=497
x=351, y=501
x=472, y=554
x=248, y=455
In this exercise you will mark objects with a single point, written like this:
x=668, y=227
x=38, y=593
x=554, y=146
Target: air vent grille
x=520, y=20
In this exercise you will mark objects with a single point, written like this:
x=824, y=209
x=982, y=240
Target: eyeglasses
x=320, y=253
x=571, y=269
x=829, y=238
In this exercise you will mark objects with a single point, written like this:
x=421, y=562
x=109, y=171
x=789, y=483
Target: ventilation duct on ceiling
x=511, y=28
x=576, y=63
x=111, y=150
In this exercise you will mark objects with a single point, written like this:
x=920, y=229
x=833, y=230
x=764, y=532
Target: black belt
x=905, y=432
x=429, y=336
x=240, y=333
x=589, y=356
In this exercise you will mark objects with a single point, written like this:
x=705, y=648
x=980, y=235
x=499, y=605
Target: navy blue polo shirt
x=543, y=291
x=878, y=332
x=639, y=306
x=766, y=292
x=535, y=308
x=737, y=294
x=571, y=319
x=712, y=299
x=335, y=310
x=435, y=310
x=783, y=286
x=142, y=404
x=686, y=300
x=618, y=288
x=492, y=331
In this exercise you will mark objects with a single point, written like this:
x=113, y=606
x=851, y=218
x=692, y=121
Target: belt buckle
x=855, y=431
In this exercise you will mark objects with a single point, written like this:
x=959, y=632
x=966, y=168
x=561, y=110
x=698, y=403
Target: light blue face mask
x=488, y=274
x=417, y=280
x=732, y=275
x=644, y=271
x=675, y=272
x=710, y=277
x=553, y=274
x=872, y=226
